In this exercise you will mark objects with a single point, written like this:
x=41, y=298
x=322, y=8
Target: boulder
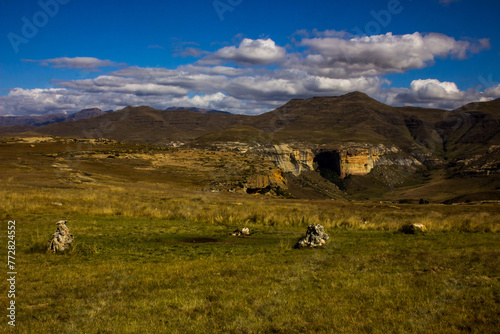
x=420, y=227
x=315, y=237
x=244, y=232
x=409, y=228
x=62, y=238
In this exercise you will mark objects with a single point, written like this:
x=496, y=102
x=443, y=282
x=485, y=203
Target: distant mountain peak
x=352, y=97
x=357, y=96
x=85, y=113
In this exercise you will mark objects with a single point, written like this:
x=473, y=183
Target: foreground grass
x=130, y=275
x=159, y=201
x=153, y=254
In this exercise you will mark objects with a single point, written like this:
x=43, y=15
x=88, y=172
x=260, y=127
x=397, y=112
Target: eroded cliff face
x=360, y=159
x=265, y=183
x=347, y=159
x=485, y=164
x=290, y=160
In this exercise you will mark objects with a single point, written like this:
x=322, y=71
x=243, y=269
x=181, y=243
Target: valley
x=152, y=205
x=353, y=146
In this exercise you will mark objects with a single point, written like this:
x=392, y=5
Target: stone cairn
x=62, y=238
x=315, y=237
x=244, y=232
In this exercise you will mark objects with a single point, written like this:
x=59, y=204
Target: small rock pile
x=409, y=228
x=420, y=227
x=315, y=237
x=244, y=232
x=62, y=238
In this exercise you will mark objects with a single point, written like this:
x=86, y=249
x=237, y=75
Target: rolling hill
x=355, y=142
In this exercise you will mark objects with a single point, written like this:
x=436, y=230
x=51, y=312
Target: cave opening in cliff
x=327, y=163
x=328, y=160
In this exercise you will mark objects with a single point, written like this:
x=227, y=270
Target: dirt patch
x=199, y=240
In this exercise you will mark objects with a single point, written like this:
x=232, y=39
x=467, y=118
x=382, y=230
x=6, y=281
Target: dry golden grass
x=140, y=200
x=135, y=269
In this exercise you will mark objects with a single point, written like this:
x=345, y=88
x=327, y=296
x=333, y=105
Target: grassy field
x=153, y=254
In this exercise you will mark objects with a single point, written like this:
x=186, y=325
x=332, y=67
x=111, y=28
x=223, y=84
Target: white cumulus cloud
x=252, y=52
x=382, y=54
x=492, y=91
x=432, y=93
x=435, y=89
x=257, y=75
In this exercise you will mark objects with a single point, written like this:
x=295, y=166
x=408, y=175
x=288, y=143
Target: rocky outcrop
x=265, y=183
x=360, y=159
x=290, y=160
x=357, y=160
x=485, y=164
x=353, y=158
x=348, y=159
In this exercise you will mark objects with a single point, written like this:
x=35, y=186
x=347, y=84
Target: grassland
x=153, y=252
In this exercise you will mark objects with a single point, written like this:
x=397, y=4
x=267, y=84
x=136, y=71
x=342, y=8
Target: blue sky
x=244, y=56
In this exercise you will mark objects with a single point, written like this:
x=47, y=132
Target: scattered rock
x=244, y=232
x=315, y=237
x=409, y=228
x=62, y=238
x=420, y=227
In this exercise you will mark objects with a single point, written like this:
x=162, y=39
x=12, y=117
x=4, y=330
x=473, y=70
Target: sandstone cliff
x=360, y=159
x=348, y=159
x=265, y=183
x=290, y=160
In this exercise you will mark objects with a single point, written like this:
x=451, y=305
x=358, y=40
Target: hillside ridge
x=360, y=145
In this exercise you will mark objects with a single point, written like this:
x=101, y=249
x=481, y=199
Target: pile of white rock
x=315, y=237
x=62, y=238
x=244, y=232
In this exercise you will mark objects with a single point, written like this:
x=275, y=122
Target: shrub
x=407, y=228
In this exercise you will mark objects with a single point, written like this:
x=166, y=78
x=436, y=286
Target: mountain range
x=359, y=144
x=50, y=118
x=37, y=121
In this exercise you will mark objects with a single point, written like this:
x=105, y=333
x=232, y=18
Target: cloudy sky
x=244, y=56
